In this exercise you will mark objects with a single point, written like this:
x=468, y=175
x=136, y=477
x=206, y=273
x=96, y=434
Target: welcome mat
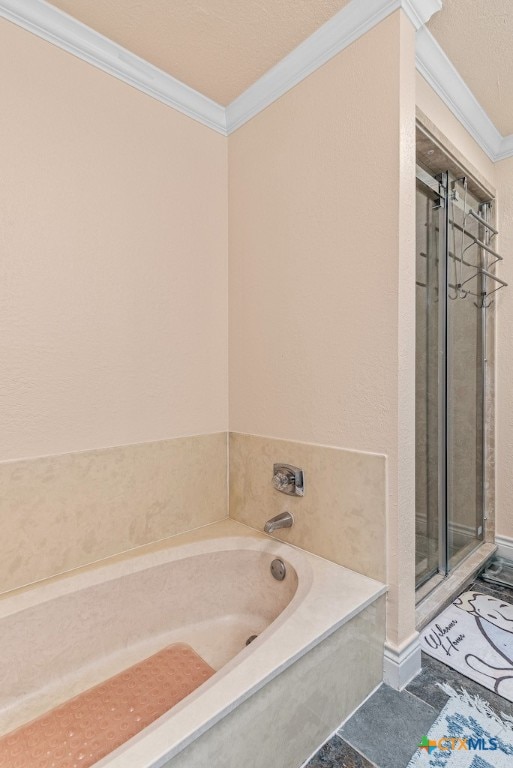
x=83, y=730
x=466, y=734
x=474, y=635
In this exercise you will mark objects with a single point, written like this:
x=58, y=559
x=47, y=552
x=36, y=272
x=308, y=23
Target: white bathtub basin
x=211, y=588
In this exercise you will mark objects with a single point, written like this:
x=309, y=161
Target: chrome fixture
x=487, y=282
x=284, y=520
x=289, y=479
x=278, y=569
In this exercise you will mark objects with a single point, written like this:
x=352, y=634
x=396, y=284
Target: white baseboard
x=505, y=545
x=401, y=666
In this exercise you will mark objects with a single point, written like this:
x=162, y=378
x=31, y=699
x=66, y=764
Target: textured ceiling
x=477, y=36
x=218, y=47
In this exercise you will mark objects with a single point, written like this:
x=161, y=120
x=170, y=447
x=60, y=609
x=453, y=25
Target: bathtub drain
x=278, y=569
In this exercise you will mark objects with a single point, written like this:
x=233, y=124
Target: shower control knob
x=281, y=481
x=288, y=479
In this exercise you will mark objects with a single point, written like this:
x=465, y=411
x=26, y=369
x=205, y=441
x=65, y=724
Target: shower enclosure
x=454, y=286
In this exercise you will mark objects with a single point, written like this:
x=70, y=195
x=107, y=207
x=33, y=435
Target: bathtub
x=317, y=654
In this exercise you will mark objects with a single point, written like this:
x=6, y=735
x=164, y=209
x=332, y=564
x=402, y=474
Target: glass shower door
x=465, y=379
x=450, y=375
x=429, y=246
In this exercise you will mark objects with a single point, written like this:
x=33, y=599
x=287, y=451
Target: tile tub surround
x=342, y=515
x=60, y=512
x=300, y=616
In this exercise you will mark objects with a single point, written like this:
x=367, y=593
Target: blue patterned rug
x=467, y=734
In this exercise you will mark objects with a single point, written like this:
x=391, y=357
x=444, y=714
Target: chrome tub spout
x=284, y=520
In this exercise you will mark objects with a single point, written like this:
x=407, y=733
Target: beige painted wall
x=504, y=408
x=321, y=240
x=114, y=253
x=308, y=278
x=114, y=240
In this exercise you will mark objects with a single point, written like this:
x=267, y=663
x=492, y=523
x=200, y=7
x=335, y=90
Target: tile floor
x=385, y=731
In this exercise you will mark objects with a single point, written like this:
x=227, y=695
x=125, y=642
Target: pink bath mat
x=83, y=730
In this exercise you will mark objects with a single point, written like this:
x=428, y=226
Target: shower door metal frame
x=443, y=356
x=439, y=189
x=452, y=561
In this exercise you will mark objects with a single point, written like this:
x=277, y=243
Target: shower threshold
x=457, y=557
x=451, y=585
x=424, y=589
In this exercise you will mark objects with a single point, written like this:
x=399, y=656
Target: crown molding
x=55, y=26
x=353, y=21
x=506, y=148
x=434, y=65
x=350, y=23
x=346, y=26
x=420, y=11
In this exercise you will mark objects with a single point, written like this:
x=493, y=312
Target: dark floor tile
x=496, y=590
x=336, y=753
x=425, y=687
x=388, y=727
